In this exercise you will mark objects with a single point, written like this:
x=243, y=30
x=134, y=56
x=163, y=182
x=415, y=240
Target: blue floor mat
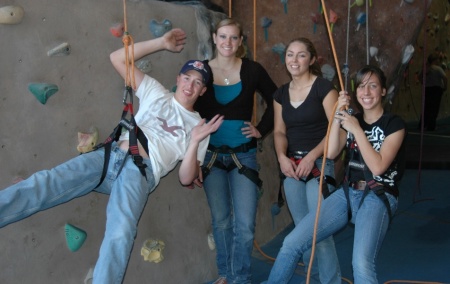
x=416, y=247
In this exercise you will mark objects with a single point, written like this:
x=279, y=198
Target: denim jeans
x=232, y=199
x=301, y=199
x=128, y=195
x=371, y=223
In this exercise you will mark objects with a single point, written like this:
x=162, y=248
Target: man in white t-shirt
x=174, y=132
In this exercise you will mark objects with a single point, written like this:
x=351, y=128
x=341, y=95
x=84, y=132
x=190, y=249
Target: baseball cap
x=198, y=66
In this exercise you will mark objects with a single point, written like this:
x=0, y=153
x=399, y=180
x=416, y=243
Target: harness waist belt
x=243, y=148
x=298, y=154
x=360, y=185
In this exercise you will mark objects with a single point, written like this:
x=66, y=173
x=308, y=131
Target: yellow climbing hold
x=152, y=250
x=87, y=140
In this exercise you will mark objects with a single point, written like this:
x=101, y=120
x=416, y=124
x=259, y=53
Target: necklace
x=227, y=73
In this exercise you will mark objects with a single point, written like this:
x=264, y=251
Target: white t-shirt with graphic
x=167, y=126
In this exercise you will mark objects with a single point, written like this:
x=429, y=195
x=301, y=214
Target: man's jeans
x=232, y=199
x=371, y=223
x=128, y=195
x=301, y=199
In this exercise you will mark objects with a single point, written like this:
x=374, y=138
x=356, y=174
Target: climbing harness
x=315, y=173
x=369, y=184
x=135, y=135
x=250, y=173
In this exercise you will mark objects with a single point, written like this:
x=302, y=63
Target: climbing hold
x=117, y=29
x=407, y=53
x=361, y=20
x=275, y=209
x=315, y=18
x=152, y=250
x=328, y=72
x=144, y=65
x=406, y=1
x=87, y=141
x=357, y=3
x=75, y=237
x=333, y=19
x=62, y=49
x=284, y=2
x=265, y=24
x=159, y=29
x=42, y=91
x=89, y=276
x=211, y=242
x=11, y=15
x=279, y=49
x=373, y=52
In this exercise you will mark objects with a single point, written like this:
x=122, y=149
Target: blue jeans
x=371, y=223
x=301, y=199
x=232, y=199
x=128, y=195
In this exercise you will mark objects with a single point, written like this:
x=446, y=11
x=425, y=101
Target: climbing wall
x=383, y=33
x=56, y=80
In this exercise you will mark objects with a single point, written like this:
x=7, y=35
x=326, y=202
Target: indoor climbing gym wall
x=59, y=95
x=384, y=33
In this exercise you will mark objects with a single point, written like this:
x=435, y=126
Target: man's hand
x=203, y=129
x=174, y=40
x=198, y=181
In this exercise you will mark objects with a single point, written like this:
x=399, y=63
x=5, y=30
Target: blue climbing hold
x=42, y=91
x=75, y=237
x=159, y=29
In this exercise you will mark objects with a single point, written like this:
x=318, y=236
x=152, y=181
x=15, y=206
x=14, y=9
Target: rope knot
x=126, y=39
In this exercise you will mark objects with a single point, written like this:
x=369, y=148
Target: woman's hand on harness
x=305, y=167
x=287, y=167
x=250, y=131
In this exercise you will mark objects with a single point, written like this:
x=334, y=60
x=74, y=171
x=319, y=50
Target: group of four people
x=219, y=153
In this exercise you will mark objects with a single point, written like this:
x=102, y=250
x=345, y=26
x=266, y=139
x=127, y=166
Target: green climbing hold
x=75, y=237
x=42, y=91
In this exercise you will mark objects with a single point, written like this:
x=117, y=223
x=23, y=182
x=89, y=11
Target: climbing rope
x=128, y=42
x=255, y=106
x=346, y=69
x=422, y=120
x=367, y=33
x=325, y=150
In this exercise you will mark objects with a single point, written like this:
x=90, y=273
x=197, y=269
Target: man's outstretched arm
x=173, y=41
x=189, y=168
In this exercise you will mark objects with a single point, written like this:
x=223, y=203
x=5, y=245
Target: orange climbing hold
x=117, y=29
